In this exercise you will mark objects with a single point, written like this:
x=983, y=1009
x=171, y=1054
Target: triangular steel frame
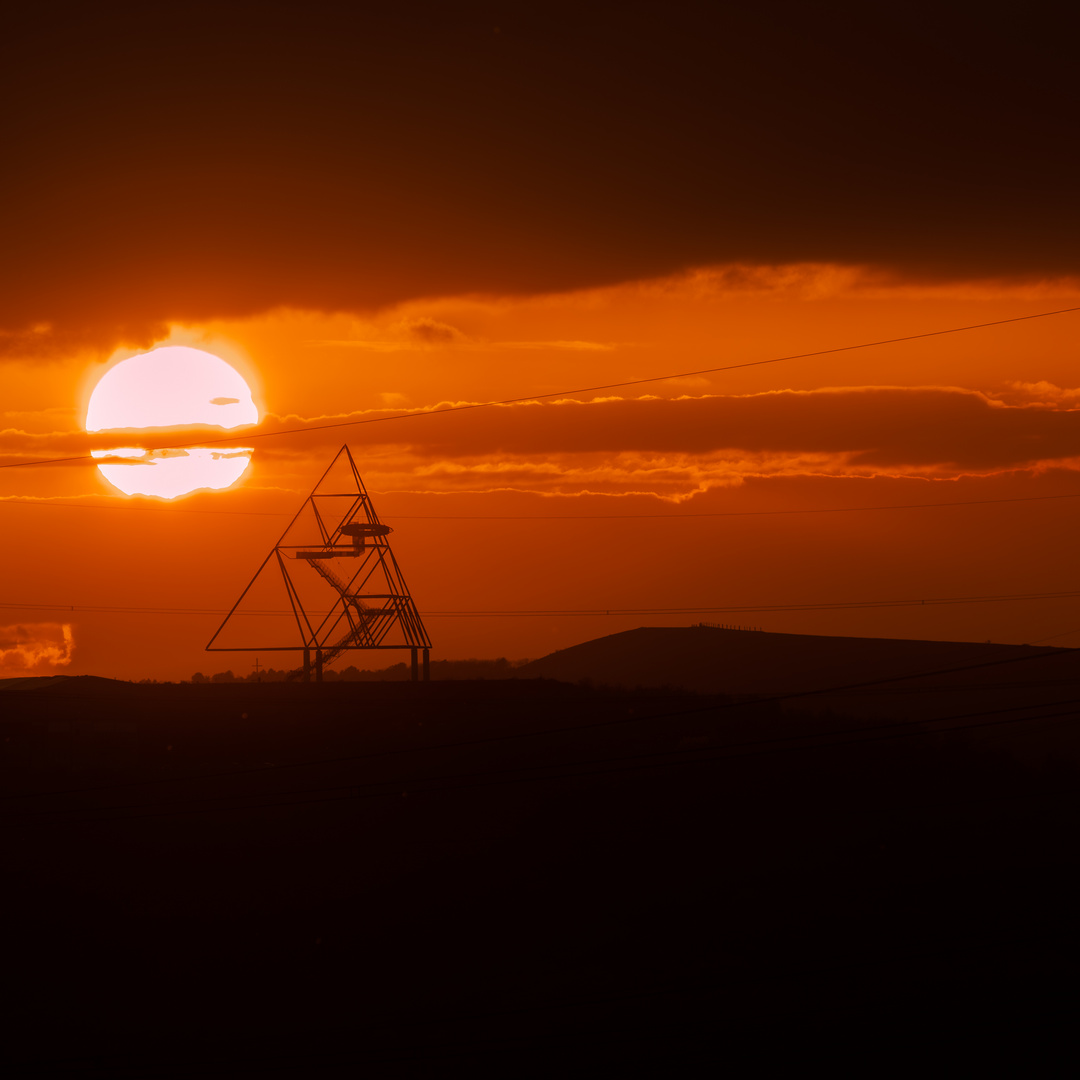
x=373, y=608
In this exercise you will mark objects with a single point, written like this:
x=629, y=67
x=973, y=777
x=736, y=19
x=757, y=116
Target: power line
x=561, y=393
x=857, y=605
x=697, y=515
x=506, y=613
x=139, y=509
x=1054, y=637
x=730, y=513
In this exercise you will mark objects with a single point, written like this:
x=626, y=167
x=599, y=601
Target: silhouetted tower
x=334, y=578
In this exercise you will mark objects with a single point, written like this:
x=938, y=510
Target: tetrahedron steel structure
x=331, y=583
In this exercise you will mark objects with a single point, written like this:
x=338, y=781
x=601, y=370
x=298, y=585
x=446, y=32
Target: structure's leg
x=307, y=665
x=427, y=665
x=415, y=669
x=318, y=665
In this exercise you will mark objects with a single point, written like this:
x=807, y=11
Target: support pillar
x=415, y=667
x=427, y=665
x=318, y=665
x=307, y=665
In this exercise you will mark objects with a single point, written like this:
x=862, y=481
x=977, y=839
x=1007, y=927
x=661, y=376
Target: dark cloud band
x=181, y=162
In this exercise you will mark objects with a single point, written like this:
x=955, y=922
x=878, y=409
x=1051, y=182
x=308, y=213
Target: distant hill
x=67, y=683
x=741, y=662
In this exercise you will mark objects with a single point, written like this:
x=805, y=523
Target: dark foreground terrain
x=392, y=879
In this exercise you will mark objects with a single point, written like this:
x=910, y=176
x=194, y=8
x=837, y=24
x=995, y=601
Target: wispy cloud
x=26, y=647
x=573, y=346
x=411, y=344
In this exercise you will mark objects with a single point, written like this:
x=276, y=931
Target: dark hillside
x=740, y=662
x=318, y=880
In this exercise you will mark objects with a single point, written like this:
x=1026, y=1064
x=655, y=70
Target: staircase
x=363, y=622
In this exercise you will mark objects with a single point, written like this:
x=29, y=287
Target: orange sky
x=373, y=210
x=483, y=503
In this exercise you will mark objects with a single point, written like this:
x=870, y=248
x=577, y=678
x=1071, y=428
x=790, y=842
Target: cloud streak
x=891, y=428
x=28, y=647
x=315, y=187
x=667, y=445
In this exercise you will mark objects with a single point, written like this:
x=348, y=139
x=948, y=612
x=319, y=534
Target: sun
x=171, y=387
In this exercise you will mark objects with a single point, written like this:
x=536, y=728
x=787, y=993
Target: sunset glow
x=538, y=534
x=354, y=257
x=174, y=387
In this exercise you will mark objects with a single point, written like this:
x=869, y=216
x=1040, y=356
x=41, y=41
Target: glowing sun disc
x=174, y=386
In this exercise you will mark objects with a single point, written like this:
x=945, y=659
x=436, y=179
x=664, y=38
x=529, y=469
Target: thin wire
x=559, y=393
x=858, y=605
x=715, y=609
x=141, y=509
x=1054, y=637
x=729, y=513
x=578, y=517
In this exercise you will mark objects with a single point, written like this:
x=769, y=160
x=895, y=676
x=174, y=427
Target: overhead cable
x=715, y=609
